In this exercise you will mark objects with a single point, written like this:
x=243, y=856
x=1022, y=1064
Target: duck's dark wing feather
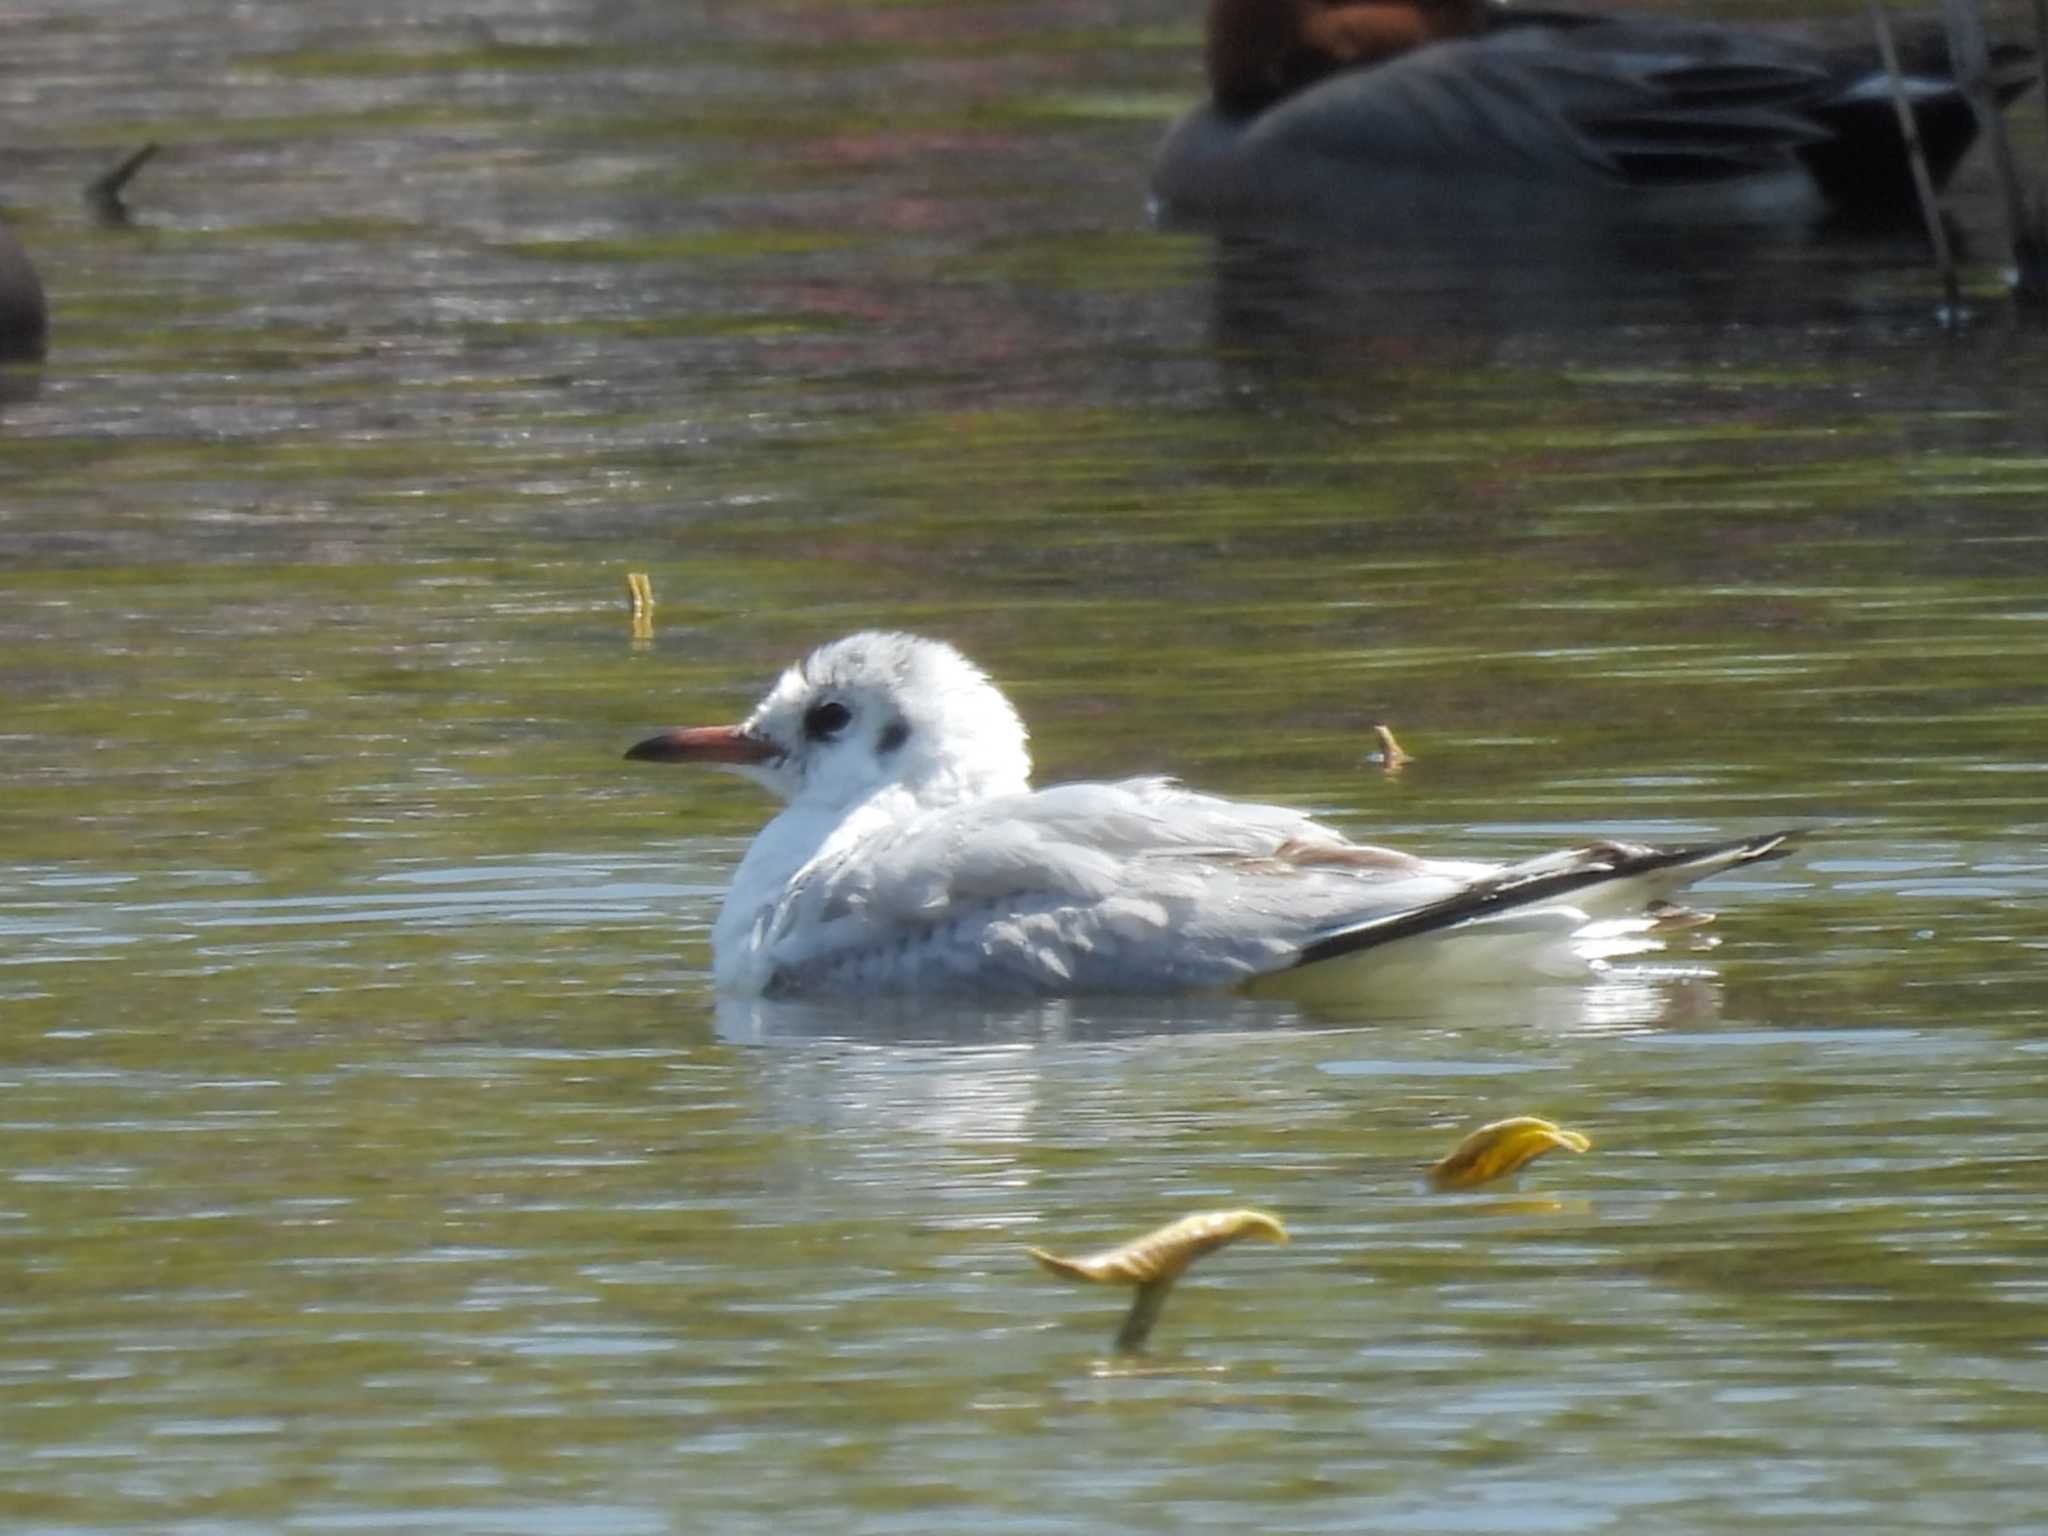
x=1619, y=102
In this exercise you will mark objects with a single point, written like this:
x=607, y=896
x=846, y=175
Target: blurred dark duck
x=24, y=315
x=1366, y=111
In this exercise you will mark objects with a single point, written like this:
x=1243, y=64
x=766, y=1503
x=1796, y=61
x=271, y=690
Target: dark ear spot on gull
x=894, y=734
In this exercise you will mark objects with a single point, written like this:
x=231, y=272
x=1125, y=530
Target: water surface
x=377, y=1155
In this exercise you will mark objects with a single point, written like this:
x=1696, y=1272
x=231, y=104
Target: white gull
x=913, y=855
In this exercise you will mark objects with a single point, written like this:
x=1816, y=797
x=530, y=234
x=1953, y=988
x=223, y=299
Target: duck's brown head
x=1260, y=51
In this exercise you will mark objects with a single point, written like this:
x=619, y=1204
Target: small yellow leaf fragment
x=1153, y=1262
x=1504, y=1147
x=640, y=594
x=1391, y=758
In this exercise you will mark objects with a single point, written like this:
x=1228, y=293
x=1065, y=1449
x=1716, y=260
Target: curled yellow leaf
x=1163, y=1254
x=1153, y=1262
x=1504, y=1147
x=1391, y=758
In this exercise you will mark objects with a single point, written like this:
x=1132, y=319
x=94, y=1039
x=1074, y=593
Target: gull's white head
x=867, y=712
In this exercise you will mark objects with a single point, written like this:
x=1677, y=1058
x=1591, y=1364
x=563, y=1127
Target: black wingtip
x=1506, y=892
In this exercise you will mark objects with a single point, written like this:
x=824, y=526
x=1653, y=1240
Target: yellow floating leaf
x=1497, y=1150
x=1392, y=758
x=1163, y=1254
x=1153, y=1262
x=640, y=598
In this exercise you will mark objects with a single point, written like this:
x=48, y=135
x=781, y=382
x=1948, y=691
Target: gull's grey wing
x=1138, y=885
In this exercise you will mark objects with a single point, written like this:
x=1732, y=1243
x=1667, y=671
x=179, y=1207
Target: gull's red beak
x=703, y=744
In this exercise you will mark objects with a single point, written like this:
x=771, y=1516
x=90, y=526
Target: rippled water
x=377, y=1157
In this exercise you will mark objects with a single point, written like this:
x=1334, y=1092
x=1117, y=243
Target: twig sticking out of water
x=2041, y=45
x=1916, y=157
x=103, y=192
x=2039, y=229
x=1970, y=48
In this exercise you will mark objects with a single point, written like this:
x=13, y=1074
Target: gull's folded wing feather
x=1141, y=885
x=1131, y=885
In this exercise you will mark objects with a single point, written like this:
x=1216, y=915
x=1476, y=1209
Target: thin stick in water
x=1970, y=49
x=1916, y=157
x=103, y=192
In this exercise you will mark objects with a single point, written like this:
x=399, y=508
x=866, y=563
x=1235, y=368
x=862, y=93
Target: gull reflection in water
x=1623, y=1000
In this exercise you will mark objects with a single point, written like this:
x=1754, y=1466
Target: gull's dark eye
x=826, y=720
